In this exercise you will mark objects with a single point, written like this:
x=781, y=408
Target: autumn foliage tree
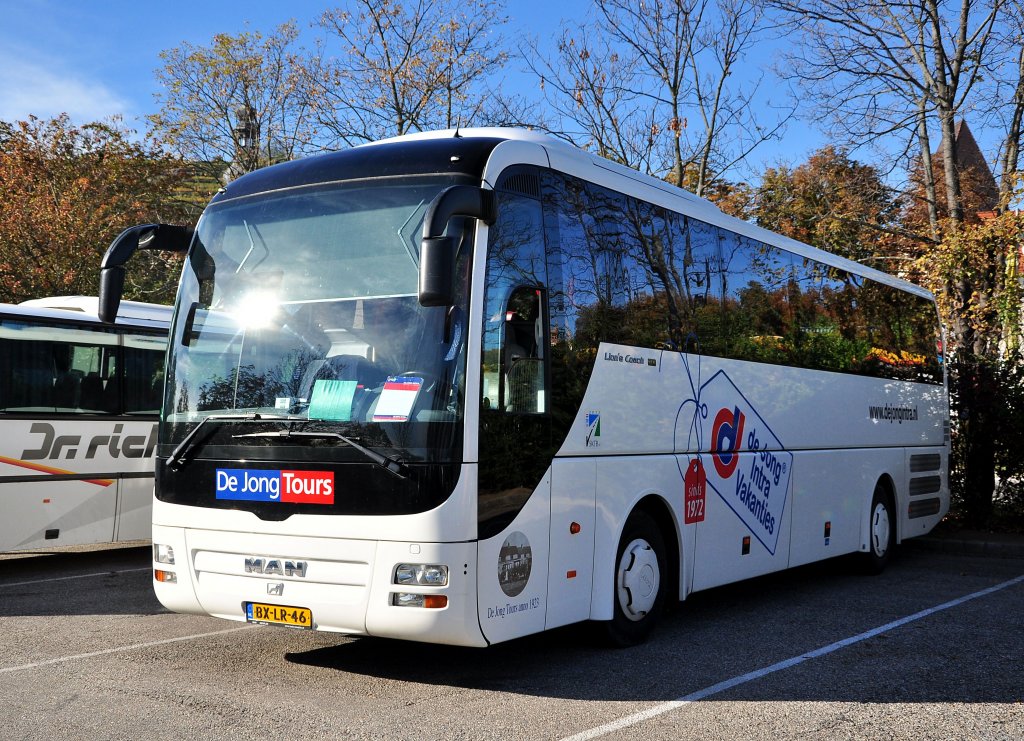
x=902, y=76
x=238, y=100
x=65, y=192
x=832, y=202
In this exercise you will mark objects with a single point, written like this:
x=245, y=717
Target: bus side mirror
x=166, y=237
x=437, y=251
x=437, y=269
x=111, y=288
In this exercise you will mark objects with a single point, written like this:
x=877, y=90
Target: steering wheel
x=429, y=379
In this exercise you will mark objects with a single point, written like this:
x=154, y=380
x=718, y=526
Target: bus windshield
x=300, y=305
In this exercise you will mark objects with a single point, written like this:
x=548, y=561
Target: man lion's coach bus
x=78, y=416
x=466, y=386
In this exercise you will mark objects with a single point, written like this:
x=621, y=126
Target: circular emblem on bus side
x=514, y=562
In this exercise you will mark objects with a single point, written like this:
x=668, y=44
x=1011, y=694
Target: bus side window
x=142, y=375
x=27, y=369
x=515, y=336
x=523, y=352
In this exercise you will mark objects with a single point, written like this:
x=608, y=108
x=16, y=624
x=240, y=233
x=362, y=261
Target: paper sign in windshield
x=332, y=400
x=397, y=399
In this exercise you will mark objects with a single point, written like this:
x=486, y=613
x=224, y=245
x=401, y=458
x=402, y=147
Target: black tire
x=640, y=571
x=881, y=532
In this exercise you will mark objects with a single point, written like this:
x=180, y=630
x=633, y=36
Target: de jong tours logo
x=297, y=487
x=755, y=484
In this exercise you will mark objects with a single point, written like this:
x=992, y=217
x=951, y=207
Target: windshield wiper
x=191, y=440
x=389, y=464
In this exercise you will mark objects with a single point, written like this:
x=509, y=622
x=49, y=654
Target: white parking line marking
x=77, y=576
x=666, y=707
x=119, y=649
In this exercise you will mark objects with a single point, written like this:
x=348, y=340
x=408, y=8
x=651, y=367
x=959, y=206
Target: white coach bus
x=78, y=412
x=467, y=386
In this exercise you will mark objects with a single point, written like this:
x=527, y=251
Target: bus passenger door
x=512, y=575
x=571, y=565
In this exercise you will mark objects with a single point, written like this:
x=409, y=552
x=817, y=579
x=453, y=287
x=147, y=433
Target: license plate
x=293, y=617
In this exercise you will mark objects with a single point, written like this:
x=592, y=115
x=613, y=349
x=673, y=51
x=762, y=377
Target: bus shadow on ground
x=733, y=631
x=108, y=581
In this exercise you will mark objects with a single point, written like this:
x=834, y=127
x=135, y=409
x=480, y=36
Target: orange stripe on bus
x=51, y=470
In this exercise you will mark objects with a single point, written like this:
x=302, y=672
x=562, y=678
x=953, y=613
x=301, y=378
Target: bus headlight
x=163, y=554
x=424, y=575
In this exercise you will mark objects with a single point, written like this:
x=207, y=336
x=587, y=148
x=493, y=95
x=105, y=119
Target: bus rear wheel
x=881, y=531
x=640, y=571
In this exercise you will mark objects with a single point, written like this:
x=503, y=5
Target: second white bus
x=78, y=410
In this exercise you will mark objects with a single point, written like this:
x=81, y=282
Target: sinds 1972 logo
x=756, y=488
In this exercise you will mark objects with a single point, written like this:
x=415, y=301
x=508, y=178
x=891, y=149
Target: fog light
x=429, y=601
x=163, y=554
x=167, y=577
x=427, y=575
x=404, y=599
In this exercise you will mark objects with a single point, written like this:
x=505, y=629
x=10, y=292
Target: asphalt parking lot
x=932, y=648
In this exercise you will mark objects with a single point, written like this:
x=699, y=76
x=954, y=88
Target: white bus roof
x=136, y=313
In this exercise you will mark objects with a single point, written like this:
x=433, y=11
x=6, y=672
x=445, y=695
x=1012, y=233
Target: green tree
x=65, y=192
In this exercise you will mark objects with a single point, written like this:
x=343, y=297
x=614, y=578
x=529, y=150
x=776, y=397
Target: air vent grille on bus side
x=924, y=508
x=925, y=485
x=524, y=183
x=927, y=462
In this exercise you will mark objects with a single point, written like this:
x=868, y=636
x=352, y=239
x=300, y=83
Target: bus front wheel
x=639, y=581
x=881, y=531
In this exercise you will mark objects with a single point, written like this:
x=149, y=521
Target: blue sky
x=96, y=59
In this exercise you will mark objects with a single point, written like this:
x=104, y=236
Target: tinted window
x=515, y=426
x=56, y=369
x=902, y=330
x=143, y=376
x=514, y=323
x=628, y=272
x=697, y=273
x=633, y=273
x=827, y=332
x=758, y=283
